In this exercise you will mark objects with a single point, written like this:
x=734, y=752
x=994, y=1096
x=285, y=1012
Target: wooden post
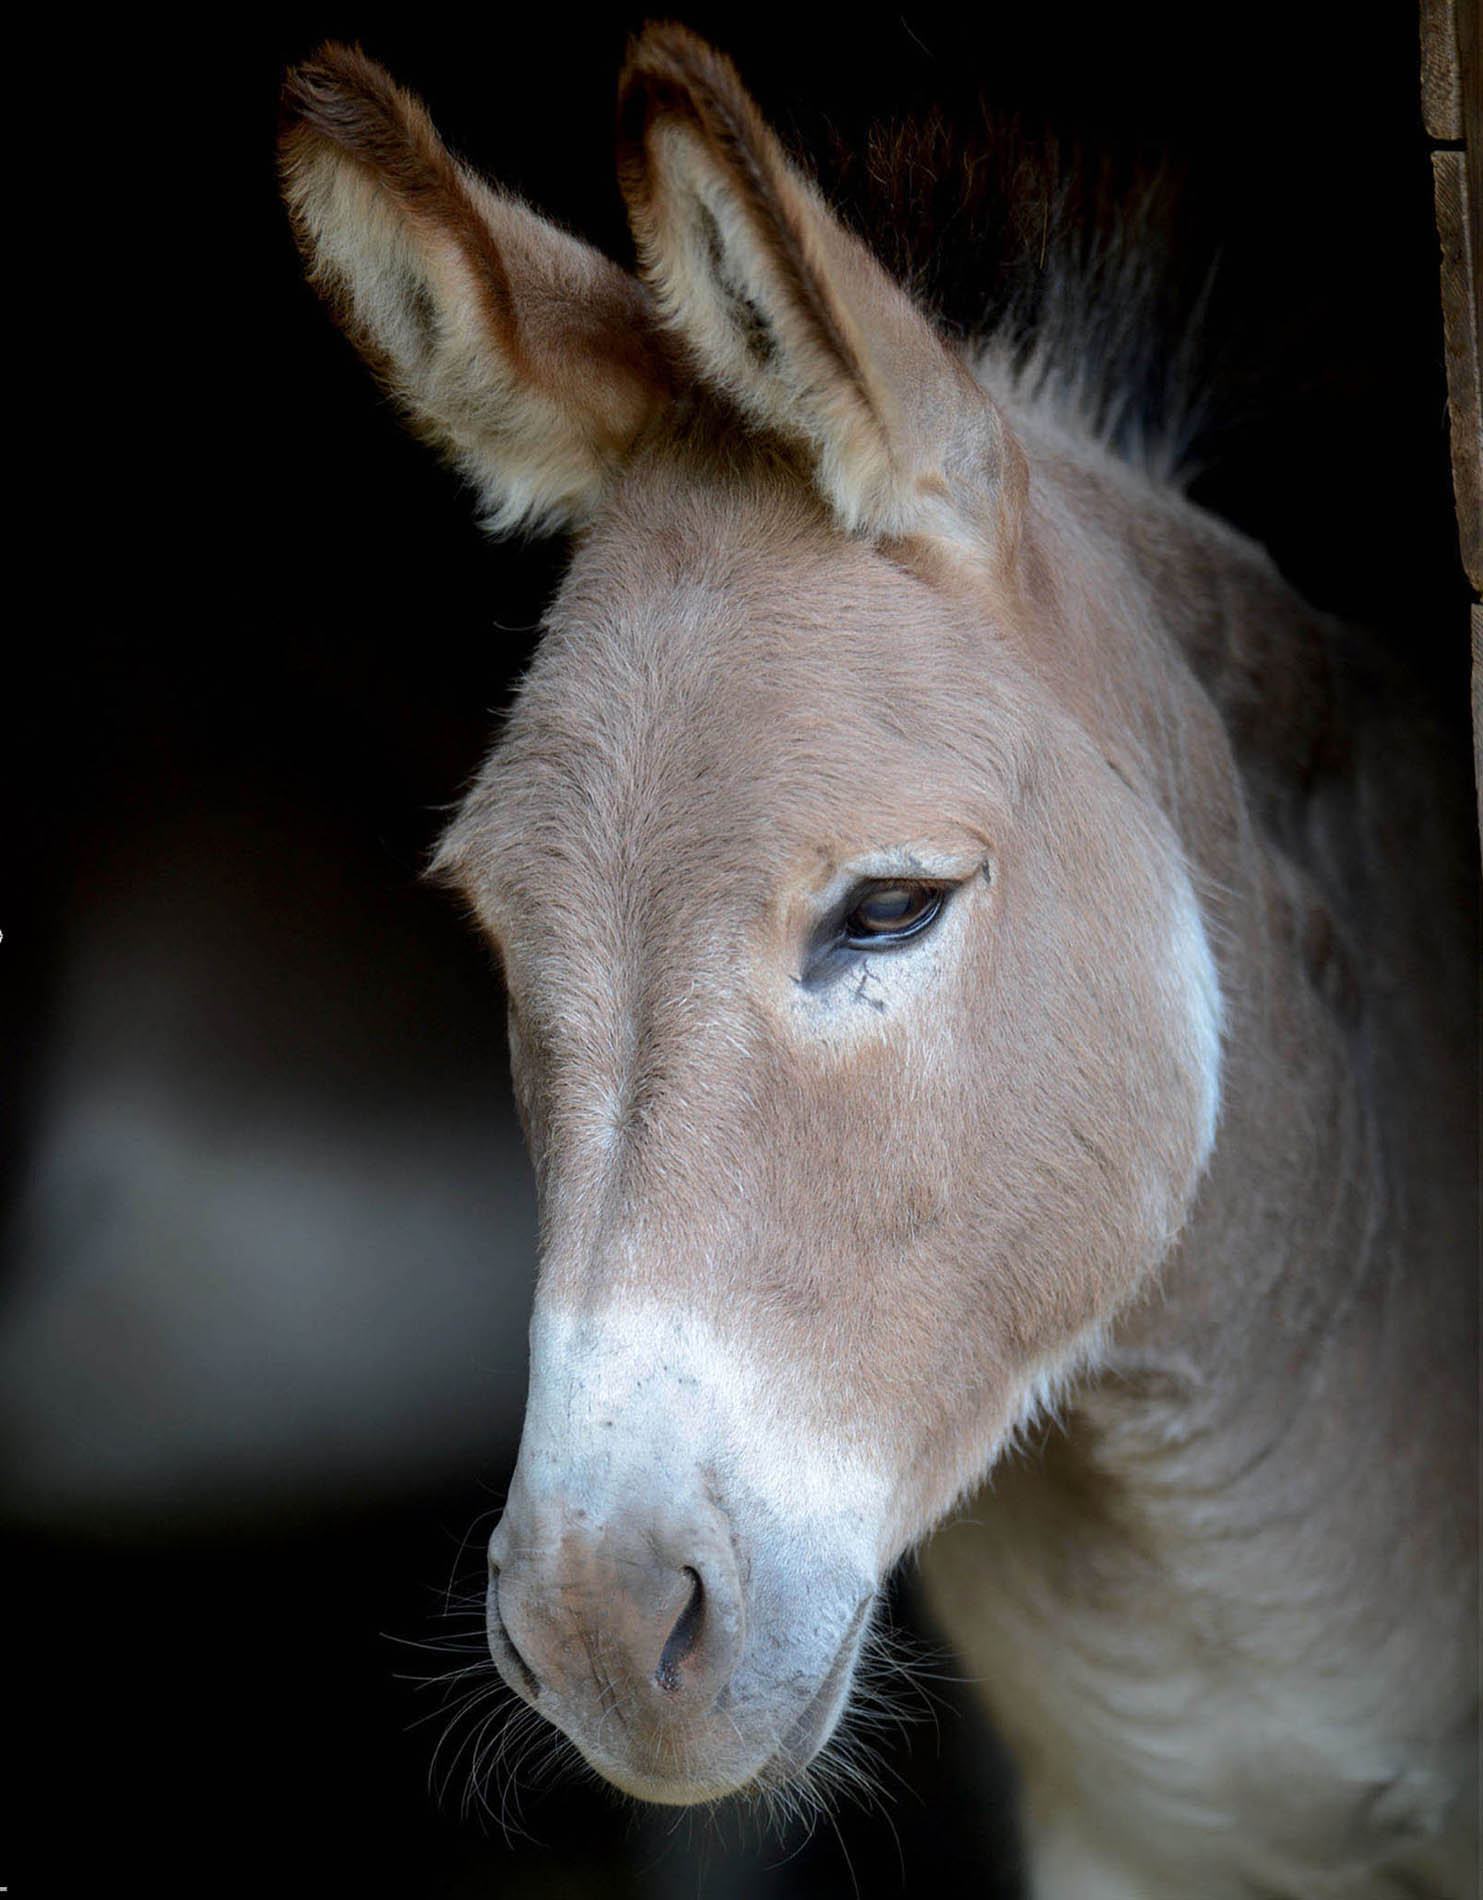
x=1452, y=105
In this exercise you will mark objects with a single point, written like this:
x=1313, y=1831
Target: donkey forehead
x=729, y=685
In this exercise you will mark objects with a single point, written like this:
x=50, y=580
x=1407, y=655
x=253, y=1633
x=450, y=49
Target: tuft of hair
x=1075, y=283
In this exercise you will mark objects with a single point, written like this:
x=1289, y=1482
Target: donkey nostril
x=684, y=1638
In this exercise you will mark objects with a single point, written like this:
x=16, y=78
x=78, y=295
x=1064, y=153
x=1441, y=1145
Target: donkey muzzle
x=633, y=1626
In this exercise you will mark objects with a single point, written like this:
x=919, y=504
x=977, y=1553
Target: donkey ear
x=529, y=358
x=792, y=316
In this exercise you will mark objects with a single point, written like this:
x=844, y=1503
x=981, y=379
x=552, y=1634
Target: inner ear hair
x=531, y=360
x=784, y=309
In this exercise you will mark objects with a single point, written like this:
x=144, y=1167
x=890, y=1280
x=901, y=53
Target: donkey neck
x=1174, y=640
x=1319, y=1264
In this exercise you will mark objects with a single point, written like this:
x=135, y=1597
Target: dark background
x=267, y=1238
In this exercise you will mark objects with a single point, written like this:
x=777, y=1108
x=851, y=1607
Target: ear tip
x=329, y=93
x=661, y=43
x=668, y=62
x=341, y=104
x=333, y=67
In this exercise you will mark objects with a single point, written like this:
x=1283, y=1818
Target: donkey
x=984, y=970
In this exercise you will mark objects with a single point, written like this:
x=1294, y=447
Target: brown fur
x=502, y=338
x=839, y=599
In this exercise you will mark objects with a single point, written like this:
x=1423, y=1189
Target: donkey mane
x=1075, y=280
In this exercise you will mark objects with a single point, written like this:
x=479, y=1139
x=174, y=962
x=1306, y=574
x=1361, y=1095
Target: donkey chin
x=672, y=1598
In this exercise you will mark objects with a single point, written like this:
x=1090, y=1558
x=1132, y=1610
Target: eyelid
x=924, y=863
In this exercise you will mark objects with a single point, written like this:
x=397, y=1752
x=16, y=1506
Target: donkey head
x=862, y=1023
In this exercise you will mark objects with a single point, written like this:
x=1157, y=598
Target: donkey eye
x=882, y=914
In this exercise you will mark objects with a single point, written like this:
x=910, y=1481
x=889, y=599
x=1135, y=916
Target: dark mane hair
x=1079, y=274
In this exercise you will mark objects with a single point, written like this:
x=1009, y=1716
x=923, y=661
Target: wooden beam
x=1460, y=339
